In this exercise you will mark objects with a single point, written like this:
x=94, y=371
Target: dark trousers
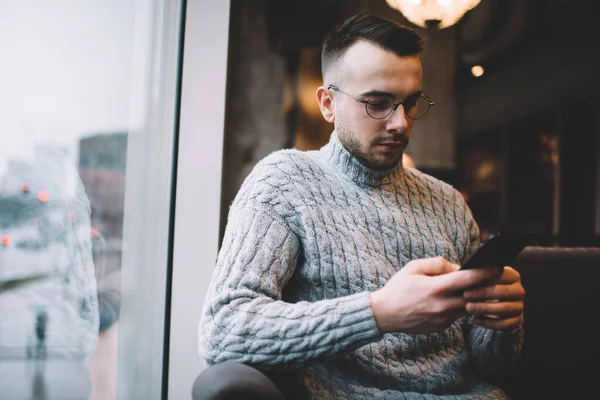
x=234, y=381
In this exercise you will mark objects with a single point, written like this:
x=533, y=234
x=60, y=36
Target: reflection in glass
x=85, y=109
x=65, y=107
x=48, y=296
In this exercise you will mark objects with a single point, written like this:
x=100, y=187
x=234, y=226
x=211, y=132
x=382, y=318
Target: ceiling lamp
x=438, y=14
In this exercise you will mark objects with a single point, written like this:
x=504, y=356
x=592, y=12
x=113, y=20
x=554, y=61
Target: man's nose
x=397, y=121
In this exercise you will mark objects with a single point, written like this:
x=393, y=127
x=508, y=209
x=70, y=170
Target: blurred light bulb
x=477, y=71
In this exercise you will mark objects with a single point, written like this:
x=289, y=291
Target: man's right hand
x=425, y=296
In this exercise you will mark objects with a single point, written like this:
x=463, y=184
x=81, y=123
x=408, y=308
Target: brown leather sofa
x=561, y=352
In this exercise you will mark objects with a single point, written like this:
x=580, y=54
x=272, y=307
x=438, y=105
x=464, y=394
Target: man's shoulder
x=278, y=179
x=289, y=156
x=280, y=171
x=286, y=163
x=433, y=183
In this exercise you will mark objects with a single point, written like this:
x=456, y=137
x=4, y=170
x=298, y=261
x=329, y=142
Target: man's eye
x=410, y=103
x=378, y=104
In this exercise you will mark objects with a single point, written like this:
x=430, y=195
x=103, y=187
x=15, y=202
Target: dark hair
x=385, y=33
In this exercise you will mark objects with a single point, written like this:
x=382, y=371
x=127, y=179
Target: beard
x=373, y=161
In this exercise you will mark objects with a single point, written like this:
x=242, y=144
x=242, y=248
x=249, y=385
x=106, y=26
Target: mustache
x=400, y=138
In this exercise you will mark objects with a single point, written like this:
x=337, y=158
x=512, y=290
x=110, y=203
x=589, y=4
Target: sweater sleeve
x=493, y=353
x=244, y=318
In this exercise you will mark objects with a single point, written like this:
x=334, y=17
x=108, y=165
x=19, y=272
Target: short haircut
x=385, y=33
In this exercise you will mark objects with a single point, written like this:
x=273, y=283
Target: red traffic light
x=43, y=196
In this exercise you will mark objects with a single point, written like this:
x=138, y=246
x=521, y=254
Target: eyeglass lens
x=415, y=107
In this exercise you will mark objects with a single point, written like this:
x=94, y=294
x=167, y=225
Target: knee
x=234, y=381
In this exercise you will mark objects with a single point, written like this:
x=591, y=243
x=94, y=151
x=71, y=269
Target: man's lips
x=392, y=144
x=392, y=141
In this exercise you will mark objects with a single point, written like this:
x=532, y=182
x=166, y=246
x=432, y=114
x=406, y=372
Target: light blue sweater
x=309, y=236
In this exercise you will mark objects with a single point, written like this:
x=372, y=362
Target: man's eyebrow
x=375, y=92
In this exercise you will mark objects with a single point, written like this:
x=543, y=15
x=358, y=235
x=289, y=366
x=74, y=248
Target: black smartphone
x=497, y=251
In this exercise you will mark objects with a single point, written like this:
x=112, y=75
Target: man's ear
x=326, y=103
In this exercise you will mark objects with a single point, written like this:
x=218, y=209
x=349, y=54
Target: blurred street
x=52, y=379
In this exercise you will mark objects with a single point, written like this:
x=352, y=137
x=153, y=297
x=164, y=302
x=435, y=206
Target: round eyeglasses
x=380, y=106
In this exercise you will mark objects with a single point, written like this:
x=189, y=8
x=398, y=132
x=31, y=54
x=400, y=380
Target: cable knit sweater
x=309, y=236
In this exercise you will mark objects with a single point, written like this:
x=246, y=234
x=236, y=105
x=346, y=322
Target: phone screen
x=499, y=250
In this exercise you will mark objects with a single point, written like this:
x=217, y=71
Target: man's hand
x=498, y=305
x=425, y=296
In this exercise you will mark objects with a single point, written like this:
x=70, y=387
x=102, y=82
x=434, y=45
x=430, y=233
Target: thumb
x=432, y=266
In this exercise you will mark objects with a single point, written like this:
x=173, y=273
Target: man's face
x=363, y=70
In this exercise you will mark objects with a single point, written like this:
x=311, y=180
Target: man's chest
x=361, y=245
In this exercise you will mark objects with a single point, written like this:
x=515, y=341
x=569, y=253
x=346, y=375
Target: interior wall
x=537, y=81
x=312, y=131
x=558, y=79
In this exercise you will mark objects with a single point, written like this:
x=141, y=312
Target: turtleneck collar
x=341, y=159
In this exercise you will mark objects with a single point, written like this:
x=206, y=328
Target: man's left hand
x=498, y=305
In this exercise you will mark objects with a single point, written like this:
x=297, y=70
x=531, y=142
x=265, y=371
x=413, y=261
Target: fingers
x=507, y=324
x=453, y=304
x=514, y=291
x=504, y=309
x=431, y=266
x=465, y=279
x=451, y=308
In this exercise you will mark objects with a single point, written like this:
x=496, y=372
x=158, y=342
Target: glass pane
x=87, y=92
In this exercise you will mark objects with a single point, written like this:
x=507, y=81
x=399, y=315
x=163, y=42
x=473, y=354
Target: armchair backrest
x=561, y=353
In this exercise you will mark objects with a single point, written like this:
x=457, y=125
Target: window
x=88, y=123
